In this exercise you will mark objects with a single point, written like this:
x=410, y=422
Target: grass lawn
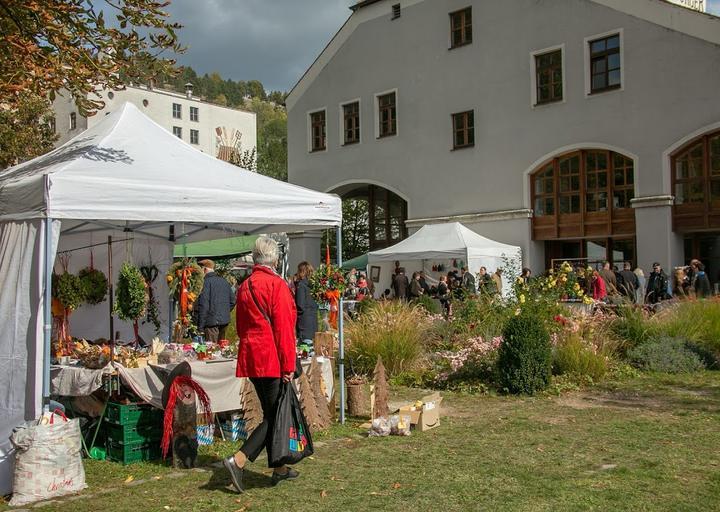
x=650, y=443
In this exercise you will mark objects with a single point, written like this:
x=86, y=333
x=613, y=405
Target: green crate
x=132, y=414
x=131, y=453
x=131, y=434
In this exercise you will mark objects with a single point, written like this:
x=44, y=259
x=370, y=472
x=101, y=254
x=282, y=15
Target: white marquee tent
x=126, y=177
x=443, y=243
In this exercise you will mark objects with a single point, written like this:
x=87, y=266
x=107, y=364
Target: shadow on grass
x=220, y=481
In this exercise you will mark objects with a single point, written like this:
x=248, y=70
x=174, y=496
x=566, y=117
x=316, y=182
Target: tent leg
x=48, y=261
x=341, y=341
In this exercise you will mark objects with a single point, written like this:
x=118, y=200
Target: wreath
x=195, y=279
x=94, y=285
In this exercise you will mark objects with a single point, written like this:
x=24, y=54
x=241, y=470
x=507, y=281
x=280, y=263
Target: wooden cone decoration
x=382, y=395
x=318, y=390
x=307, y=404
x=251, y=407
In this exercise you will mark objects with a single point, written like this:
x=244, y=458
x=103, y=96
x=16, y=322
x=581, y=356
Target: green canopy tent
x=225, y=247
x=359, y=263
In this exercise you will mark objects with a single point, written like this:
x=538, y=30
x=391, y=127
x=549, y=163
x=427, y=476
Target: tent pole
x=110, y=292
x=341, y=341
x=49, y=262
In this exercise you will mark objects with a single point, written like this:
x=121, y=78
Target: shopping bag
x=291, y=441
x=48, y=460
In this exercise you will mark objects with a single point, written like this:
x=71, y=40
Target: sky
x=273, y=41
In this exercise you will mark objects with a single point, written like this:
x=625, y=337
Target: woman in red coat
x=599, y=290
x=266, y=355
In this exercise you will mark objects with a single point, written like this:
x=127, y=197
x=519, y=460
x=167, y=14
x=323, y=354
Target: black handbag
x=291, y=440
x=298, y=365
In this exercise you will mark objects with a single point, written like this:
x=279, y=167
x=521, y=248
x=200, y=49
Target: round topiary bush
x=525, y=358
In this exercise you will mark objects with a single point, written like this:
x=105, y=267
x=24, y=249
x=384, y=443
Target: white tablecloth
x=216, y=377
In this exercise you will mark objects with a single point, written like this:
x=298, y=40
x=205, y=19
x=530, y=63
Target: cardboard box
x=426, y=418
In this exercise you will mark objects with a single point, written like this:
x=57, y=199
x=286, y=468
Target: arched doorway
x=373, y=218
x=696, y=211
x=581, y=206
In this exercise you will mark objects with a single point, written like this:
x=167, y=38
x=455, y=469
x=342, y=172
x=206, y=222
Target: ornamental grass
x=393, y=330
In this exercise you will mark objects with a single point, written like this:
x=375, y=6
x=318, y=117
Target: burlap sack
x=48, y=461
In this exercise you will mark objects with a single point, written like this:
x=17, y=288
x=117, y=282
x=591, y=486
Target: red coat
x=265, y=350
x=599, y=291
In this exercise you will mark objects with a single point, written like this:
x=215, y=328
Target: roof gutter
x=363, y=3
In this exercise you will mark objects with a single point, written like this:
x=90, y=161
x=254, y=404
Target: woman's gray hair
x=266, y=251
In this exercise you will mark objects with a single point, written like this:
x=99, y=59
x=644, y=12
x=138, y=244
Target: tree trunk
x=357, y=400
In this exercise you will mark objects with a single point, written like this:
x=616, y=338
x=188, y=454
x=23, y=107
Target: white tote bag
x=48, y=460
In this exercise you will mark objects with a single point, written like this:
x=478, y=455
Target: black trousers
x=268, y=390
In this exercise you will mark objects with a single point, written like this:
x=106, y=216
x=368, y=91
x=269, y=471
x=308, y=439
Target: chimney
x=188, y=90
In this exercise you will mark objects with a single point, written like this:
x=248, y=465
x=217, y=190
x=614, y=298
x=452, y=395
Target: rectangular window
x=194, y=137
x=395, y=11
x=52, y=124
x=463, y=129
x=548, y=77
x=177, y=131
x=461, y=27
x=596, y=181
x=177, y=111
x=194, y=114
x=569, y=181
x=351, y=123
x=73, y=120
x=317, y=131
x=387, y=114
x=605, y=72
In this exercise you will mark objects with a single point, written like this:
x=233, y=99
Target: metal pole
x=111, y=299
x=341, y=341
x=49, y=263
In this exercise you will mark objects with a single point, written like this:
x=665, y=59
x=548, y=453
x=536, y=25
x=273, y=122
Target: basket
x=132, y=452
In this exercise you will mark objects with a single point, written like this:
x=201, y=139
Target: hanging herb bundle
x=131, y=297
x=68, y=290
x=152, y=315
x=94, y=285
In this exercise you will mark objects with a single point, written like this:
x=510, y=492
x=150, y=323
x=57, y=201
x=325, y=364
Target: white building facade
x=572, y=128
x=213, y=129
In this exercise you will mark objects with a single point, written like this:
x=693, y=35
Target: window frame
x=177, y=113
x=468, y=129
x=534, y=76
x=177, y=131
x=463, y=28
x=72, y=121
x=589, y=92
x=341, y=122
x=708, y=208
x=311, y=135
x=196, y=117
x=194, y=140
x=378, y=116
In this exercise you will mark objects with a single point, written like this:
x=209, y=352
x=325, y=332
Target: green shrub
x=572, y=356
x=394, y=330
x=480, y=317
x=525, y=358
x=428, y=304
x=666, y=354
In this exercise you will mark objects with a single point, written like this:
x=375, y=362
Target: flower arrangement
x=327, y=278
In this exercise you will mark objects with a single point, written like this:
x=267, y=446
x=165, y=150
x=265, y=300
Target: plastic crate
x=131, y=453
x=132, y=414
x=131, y=434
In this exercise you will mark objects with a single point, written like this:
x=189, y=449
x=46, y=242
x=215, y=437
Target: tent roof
x=443, y=241
x=358, y=262
x=129, y=168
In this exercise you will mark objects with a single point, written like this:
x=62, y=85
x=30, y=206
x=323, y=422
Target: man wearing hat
x=214, y=304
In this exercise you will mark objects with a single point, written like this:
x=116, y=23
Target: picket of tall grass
x=696, y=321
x=394, y=330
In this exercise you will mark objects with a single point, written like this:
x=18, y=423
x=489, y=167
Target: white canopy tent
x=442, y=244
x=126, y=177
